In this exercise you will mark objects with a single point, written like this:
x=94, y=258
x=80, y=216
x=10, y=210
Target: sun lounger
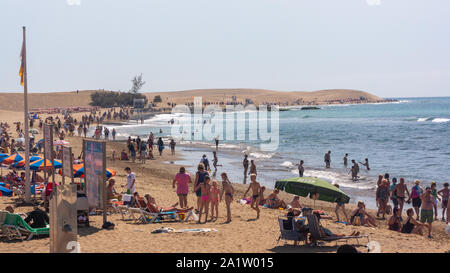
x=313, y=224
x=15, y=227
x=289, y=230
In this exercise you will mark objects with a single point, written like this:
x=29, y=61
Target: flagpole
x=27, y=135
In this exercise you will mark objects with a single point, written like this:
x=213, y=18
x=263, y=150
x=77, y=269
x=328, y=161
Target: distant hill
x=14, y=101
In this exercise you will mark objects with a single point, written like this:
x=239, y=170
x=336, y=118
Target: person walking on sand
x=345, y=160
x=426, y=214
x=255, y=187
x=131, y=181
x=199, y=178
x=228, y=190
x=205, y=192
x=340, y=205
x=160, y=144
x=182, y=180
x=444, y=193
x=416, y=193
x=392, y=193
x=400, y=193
x=327, y=160
x=245, y=164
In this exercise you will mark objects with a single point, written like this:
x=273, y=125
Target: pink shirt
x=182, y=183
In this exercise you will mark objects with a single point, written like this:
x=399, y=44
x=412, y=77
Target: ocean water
x=409, y=138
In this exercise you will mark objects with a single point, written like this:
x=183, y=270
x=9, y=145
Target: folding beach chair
x=313, y=224
x=15, y=227
x=289, y=230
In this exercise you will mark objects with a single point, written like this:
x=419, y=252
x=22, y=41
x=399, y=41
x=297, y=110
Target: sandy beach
x=243, y=234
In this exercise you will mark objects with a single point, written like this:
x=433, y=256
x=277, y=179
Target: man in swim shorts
x=426, y=214
x=255, y=187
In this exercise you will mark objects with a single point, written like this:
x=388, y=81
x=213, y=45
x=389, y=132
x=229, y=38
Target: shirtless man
x=426, y=214
x=228, y=189
x=245, y=164
x=255, y=187
x=400, y=189
x=252, y=167
x=345, y=160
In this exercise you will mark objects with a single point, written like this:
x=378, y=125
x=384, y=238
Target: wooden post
x=27, y=137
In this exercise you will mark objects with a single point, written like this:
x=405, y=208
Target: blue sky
x=399, y=48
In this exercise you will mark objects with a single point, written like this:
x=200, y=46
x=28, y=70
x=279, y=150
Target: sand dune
x=14, y=101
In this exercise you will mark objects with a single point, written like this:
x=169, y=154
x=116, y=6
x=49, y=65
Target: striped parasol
x=78, y=171
x=21, y=163
x=38, y=165
x=12, y=159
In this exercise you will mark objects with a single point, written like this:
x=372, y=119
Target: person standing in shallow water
x=366, y=163
x=245, y=164
x=327, y=160
x=345, y=160
x=301, y=169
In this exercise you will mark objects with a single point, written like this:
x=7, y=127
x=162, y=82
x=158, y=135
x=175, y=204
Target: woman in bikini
x=228, y=189
x=205, y=192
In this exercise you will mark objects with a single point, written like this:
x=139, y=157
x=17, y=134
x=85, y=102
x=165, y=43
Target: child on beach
x=205, y=190
x=228, y=189
x=214, y=197
x=444, y=193
x=255, y=187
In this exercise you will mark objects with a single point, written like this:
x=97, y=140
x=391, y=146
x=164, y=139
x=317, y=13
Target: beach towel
x=189, y=230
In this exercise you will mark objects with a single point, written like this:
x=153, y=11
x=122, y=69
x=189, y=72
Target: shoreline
x=254, y=236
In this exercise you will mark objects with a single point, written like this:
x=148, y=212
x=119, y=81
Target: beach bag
x=108, y=226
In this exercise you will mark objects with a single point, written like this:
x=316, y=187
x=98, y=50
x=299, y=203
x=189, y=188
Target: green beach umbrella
x=304, y=186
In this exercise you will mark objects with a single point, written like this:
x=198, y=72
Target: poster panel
x=94, y=171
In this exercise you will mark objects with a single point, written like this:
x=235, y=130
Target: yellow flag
x=22, y=64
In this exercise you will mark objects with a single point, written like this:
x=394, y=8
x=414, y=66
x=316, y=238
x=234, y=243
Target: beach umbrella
x=21, y=163
x=304, y=186
x=38, y=165
x=12, y=159
x=2, y=156
x=78, y=171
